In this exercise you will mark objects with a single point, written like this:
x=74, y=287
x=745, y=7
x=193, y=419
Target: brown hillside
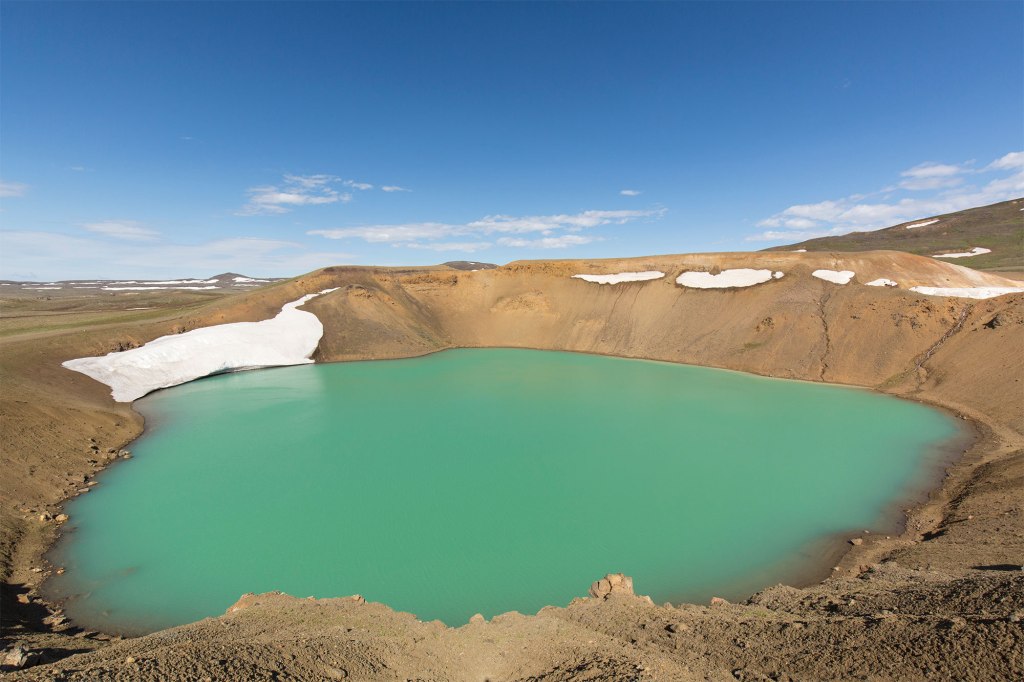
x=943, y=599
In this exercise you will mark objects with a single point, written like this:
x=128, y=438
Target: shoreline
x=831, y=556
x=935, y=576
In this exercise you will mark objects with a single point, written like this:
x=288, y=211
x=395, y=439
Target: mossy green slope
x=998, y=227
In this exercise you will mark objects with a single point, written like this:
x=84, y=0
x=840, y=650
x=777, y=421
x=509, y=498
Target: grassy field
x=32, y=312
x=999, y=228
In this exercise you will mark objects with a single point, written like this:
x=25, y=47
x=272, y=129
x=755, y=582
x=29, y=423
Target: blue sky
x=186, y=139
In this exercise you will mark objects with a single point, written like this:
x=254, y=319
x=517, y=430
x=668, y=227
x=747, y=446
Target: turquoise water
x=480, y=481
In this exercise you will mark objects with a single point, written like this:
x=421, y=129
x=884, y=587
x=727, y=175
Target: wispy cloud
x=1013, y=160
x=926, y=190
x=546, y=242
x=391, y=233
x=932, y=176
x=295, y=190
x=560, y=221
x=466, y=247
x=12, y=189
x=304, y=190
x=432, y=235
x=630, y=192
x=50, y=255
x=122, y=229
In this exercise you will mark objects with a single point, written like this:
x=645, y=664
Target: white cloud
x=546, y=242
x=311, y=181
x=932, y=176
x=561, y=221
x=52, y=256
x=12, y=189
x=358, y=185
x=1010, y=161
x=630, y=192
x=937, y=189
x=122, y=229
x=391, y=233
x=932, y=170
x=793, y=235
x=297, y=190
x=467, y=247
x=430, y=235
x=394, y=188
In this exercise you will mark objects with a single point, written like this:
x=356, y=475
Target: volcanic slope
x=943, y=599
x=999, y=228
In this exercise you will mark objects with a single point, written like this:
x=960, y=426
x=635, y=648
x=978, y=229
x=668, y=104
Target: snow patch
x=922, y=223
x=287, y=339
x=622, y=277
x=835, y=276
x=42, y=288
x=799, y=251
x=882, y=282
x=968, y=292
x=976, y=251
x=248, y=279
x=178, y=281
x=156, y=288
x=727, y=279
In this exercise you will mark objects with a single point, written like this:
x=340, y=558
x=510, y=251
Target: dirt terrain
x=942, y=600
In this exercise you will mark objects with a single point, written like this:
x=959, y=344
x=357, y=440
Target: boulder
x=19, y=657
x=613, y=583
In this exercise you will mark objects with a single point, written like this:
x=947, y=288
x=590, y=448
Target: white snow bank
x=740, y=277
x=976, y=251
x=156, y=288
x=248, y=279
x=42, y=288
x=922, y=223
x=835, y=276
x=177, y=281
x=968, y=292
x=622, y=277
x=799, y=251
x=287, y=339
x=882, y=282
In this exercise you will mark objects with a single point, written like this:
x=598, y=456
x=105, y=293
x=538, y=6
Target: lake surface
x=482, y=480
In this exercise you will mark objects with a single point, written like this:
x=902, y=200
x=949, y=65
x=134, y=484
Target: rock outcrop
x=611, y=585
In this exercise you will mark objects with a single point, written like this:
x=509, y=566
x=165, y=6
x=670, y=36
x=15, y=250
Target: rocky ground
x=943, y=600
